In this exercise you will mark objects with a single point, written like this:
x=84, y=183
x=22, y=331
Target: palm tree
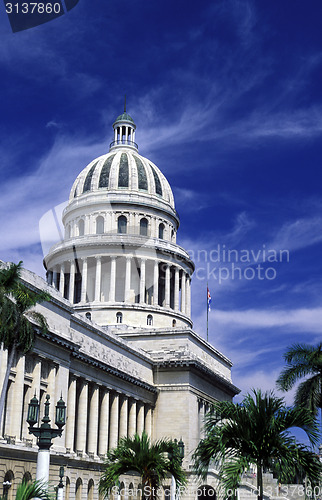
x=256, y=431
x=150, y=461
x=304, y=360
x=17, y=319
x=33, y=489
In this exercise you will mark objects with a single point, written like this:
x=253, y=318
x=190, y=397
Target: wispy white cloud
x=302, y=320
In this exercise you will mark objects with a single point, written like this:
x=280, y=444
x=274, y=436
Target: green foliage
x=256, y=431
x=303, y=360
x=150, y=461
x=34, y=489
x=17, y=320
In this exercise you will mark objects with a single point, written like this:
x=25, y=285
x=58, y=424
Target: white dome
x=123, y=170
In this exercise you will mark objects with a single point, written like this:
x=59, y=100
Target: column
x=132, y=418
x=61, y=389
x=82, y=417
x=126, y=134
x=3, y=365
x=51, y=380
x=71, y=413
x=54, y=283
x=87, y=224
x=142, y=282
x=127, y=280
x=201, y=419
x=176, y=289
x=104, y=420
x=112, y=281
x=167, y=286
x=156, y=284
x=71, y=282
x=17, y=399
x=183, y=292
x=93, y=420
x=140, y=418
x=62, y=279
x=35, y=385
x=148, y=421
x=115, y=135
x=188, y=297
x=84, y=280
x=98, y=279
x=123, y=416
x=114, y=422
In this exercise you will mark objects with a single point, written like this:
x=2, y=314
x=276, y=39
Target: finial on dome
x=125, y=103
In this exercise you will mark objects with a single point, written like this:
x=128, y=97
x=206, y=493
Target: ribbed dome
x=123, y=170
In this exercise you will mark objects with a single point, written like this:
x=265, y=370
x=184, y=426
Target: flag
x=208, y=299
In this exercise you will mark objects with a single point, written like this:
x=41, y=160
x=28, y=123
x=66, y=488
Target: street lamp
x=45, y=433
x=179, y=455
x=60, y=491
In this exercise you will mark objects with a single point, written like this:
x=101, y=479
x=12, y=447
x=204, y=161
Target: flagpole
x=207, y=310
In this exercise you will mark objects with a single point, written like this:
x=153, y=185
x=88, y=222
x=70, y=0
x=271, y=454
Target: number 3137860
x=33, y=8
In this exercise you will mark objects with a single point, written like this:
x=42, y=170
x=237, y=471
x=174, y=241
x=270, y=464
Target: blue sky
x=227, y=98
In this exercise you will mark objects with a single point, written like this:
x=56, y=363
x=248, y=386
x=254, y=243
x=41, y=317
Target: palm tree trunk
x=259, y=480
x=11, y=357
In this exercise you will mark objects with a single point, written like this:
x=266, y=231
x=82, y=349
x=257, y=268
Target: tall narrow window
x=122, y=224
x=161, y=231
x=81, y=226
x=143, y=227
x=119, y=317
x=100, y=225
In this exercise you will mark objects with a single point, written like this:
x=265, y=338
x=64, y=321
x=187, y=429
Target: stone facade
x=120, y=349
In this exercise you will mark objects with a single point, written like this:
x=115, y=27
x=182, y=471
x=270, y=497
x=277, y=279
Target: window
x=124, y=171
x=149, y=320
x=81, y=228
x=88, y=180
x=119, y=317
x=161, y=231
x=143, y=227
x=174, y=323
x=100, y=225
x=88, y=316
x=122, y=224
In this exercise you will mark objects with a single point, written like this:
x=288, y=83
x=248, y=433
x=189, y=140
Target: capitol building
x=120, y=347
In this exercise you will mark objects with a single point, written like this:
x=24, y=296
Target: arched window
x=88, y=316
x=174, y=322
x=81, y=226
x=100, y=225
x=161, y=231
x=8, y=485
x=122, y=224
x=149, y=320
x=119, y=317
x=143, y=227
x=122, y=491
x=90, y=490
x=67, y=490
x=131, y=491
x=26, y=477
x=78, y=489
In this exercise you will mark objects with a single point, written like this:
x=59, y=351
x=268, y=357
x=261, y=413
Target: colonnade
x=97, y=416
x=124, y=133
x=123, y=279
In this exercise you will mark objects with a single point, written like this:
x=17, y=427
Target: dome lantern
x=124, y=131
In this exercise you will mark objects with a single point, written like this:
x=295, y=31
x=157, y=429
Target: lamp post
x=60, y=491
x=45, y=433
x=179, y=456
